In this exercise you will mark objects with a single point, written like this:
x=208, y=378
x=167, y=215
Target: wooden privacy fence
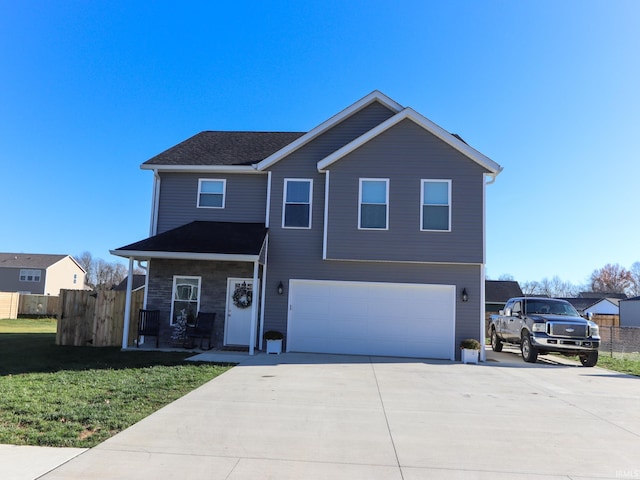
x=14, y=305
x=95, y=318
x=9, y=305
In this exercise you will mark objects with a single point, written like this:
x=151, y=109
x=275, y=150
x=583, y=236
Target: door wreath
x=242, y=296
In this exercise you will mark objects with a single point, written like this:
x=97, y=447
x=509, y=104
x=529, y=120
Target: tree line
x=102, y=275
x=612, y=278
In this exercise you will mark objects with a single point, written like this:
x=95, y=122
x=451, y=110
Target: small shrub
x=470, y=344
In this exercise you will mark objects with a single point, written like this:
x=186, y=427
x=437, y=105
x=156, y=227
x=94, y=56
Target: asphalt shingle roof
x=29, y=260
x=499, y=291
x=206, y=237
x=225, y=148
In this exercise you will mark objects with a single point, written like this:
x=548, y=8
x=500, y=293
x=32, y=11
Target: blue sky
x=548, y=89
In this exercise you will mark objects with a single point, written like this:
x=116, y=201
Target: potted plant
x=470, y=350
x=274, y=341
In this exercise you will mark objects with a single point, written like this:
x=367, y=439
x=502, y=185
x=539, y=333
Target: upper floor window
x=211, y=193
x=297, y=203
x=436, y=205
x=373, y=208
x=30, y=275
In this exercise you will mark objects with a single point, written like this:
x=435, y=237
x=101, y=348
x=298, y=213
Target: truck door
x=514, y=321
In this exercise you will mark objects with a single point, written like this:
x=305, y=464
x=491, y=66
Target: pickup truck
x=545, y=325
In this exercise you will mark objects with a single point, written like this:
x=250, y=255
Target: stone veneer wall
x=213, y=296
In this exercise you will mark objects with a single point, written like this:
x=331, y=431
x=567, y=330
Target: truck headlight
x=594, y=329
x=539, y=327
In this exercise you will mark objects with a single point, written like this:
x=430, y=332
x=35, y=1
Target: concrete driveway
x=301, y=416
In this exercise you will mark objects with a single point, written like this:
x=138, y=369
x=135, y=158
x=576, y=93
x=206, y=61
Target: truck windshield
x=547, y=306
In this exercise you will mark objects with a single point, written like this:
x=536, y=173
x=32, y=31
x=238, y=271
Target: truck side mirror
x=590, y=316
x=501, y=312
x=507, y=312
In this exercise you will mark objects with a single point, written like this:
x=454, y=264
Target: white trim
x=425, y=123
x=386, y=180
x=254, y=310
x=483, y=353
x=224, y=192
x=325, y=233
x=203, y=168
x=141, y=254
x=173, y=293
x=422, y=204
x=267, y=215
x=127, y=307
x=326, y=125
x=227, y=312
x=284, y=201
x=263, y=288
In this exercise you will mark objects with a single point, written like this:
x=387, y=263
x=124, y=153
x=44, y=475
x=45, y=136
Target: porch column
x=127, y=306
x=254, y=311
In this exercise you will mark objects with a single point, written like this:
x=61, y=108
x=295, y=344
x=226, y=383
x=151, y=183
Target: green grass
x=80, y=396
x=623, y=365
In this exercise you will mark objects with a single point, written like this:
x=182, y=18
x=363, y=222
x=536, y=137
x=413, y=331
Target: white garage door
x=388, y=319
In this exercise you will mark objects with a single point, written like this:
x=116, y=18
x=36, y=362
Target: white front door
x=237, y=328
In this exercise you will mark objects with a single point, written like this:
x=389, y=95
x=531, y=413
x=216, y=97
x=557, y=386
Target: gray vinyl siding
x=285, y=267
x=297, y=253
x=406, y=154
x=10, y=281
x=245, y=199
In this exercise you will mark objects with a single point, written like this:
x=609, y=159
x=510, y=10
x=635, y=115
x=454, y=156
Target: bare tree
x=100, y=273
x=635, y=277
x=611, y=279
x=530, y=288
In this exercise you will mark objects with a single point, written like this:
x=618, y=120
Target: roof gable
x=453, y=140
x=374, y=96
x=499, y=291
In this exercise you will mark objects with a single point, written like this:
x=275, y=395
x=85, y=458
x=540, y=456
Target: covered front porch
x=217, y=268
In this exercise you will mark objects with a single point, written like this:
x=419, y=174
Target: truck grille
x=570, y=330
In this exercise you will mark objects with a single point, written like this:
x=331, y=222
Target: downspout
x=155, y=199
x=127, y=307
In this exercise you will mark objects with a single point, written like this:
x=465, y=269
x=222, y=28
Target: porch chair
x=149, y=325
x=203, y=328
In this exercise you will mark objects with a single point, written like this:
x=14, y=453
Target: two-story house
x=364, y=235
x=40, y=273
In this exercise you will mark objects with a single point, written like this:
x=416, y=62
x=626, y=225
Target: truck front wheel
x=529, y=352
x=496, y=344
x=589, y=360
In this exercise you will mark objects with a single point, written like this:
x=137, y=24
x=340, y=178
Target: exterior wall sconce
x=465, y=297
x=280, y=288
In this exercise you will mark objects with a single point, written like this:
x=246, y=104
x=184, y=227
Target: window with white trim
x=185, y=299
x=373, y=204
x=435, y=213
x=29, y=275
x=296, y=211
x=211, y=193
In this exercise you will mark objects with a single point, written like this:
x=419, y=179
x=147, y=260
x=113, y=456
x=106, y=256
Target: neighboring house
x=361, y=236
x=497, y=292
x=630, y=312
x=39, y=273
x=594, y=305
x=138, y=283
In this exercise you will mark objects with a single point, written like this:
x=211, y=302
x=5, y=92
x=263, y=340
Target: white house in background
x=40, y=274
x=630, y=312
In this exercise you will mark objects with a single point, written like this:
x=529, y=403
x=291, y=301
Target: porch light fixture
x=280, y=288
x=465, y=297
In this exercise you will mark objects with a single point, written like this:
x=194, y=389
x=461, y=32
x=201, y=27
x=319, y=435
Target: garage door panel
x=372, y=318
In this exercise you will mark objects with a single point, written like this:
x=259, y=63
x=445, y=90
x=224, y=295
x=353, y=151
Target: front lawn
x=80, y=396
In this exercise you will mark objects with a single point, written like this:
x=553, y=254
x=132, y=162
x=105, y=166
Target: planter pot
x=470, y=356
x=274, y=346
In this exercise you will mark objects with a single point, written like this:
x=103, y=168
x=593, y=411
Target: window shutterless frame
x=297, y=198
x=373, y=204
x=185, y=296
x=435, y=205
x=211, y=192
